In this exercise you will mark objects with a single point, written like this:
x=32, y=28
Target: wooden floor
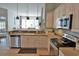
x=13, y=52
x=4, y=51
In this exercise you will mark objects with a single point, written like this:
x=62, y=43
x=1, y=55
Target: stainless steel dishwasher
x=15, y=41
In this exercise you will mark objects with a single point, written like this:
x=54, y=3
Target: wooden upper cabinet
x=68, y=8
x=60, y=11
x=63, y=10
x=71, y=8
x=55, y=17
x=49, y=19
x=56, y=13
x=75, y=24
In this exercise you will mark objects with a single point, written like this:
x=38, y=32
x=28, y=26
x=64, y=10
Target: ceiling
x=28, y=8
x=23, y=8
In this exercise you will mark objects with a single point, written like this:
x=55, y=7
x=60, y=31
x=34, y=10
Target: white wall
x=12, y=11
x=11, y=16
x=12, y=22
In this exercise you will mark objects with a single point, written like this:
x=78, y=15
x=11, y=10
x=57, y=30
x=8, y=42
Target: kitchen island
x=35, y=39
x=32, y=39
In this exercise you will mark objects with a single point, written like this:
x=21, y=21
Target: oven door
x=54, y=49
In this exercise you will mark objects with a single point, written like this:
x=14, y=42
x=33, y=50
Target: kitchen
x=39, y=29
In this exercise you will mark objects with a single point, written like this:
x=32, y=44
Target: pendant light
x=27, y=11
x=17, y=17
x=27, y=17
x=37, y=13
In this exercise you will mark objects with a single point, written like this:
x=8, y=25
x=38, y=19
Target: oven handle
x=53, y=46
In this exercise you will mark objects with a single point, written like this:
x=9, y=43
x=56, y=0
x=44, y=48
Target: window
x=32, y=23
x=2, y=26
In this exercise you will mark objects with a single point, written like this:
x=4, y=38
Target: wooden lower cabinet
x=42, y=52
x=53, y=52
x=39, y=42
x=34, y=42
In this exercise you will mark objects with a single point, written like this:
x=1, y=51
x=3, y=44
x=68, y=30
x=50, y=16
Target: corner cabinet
x=49, y=19
x=34, y=41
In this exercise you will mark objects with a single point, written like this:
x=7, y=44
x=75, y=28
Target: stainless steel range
x=66, y=41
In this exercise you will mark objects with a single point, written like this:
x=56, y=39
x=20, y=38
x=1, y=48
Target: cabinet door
x=75, y=24
x=24, y=41
x=49, y=19
x=56, y=15
x=68, y=8
x=43, y=42
x=34, y=42
x=62, y=10
x=29, y=42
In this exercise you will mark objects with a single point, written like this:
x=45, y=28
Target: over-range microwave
x=65, y=22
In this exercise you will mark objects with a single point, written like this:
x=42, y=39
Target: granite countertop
x=34, y=34
x=24, y=30
x=75, y=34
x=69, y=51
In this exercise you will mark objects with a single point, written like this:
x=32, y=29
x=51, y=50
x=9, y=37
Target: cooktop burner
x=66, y=41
